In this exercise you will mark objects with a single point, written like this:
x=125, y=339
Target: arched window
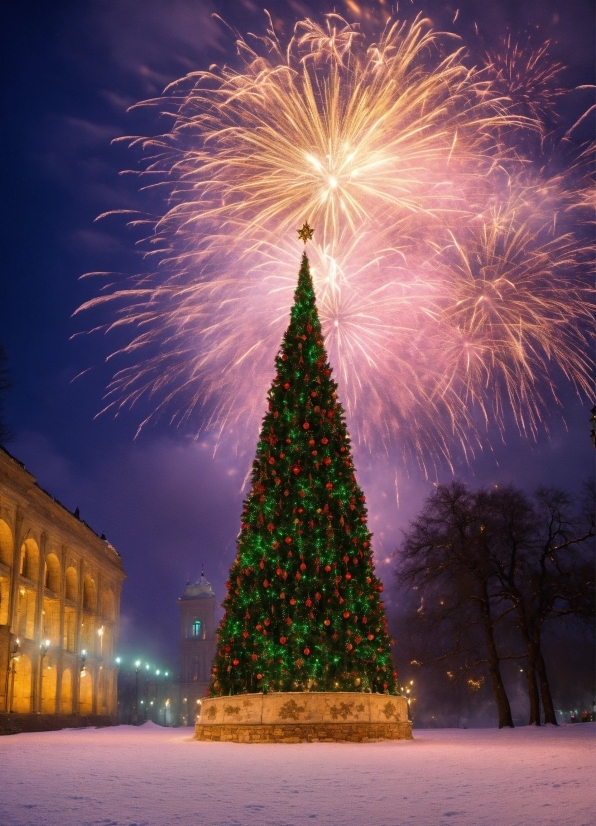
x=52, y=573
x=5, y=543
x=89, y=594
x=71, y=584
x=30, y=559
x=196, y=628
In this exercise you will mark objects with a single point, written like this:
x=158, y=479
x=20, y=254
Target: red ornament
x=288, y=540
x=259, y=627
x=348, y=576
x=324, y=440
x=327, y=461
x=346, y=558
x=371, y=637
x=296, y=469
x=307, y=651
x=259, y=676
x=303, y=566
x=306, y=425
x=327, y=622
x=283, y=640
x=308, y=603
x=292, y=601
x=329, y=486
x=346, y=614
x=311, y=442
x=380, y=588
x=349, y=646
x=245, y=634
x=253, y=657
x=287, y=385
x=267, y=621
x=235, y=662
x=357, y=639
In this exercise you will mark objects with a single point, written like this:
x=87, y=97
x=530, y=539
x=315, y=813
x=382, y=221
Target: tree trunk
x=533, y=695
x=494, y=668
x=547, y=700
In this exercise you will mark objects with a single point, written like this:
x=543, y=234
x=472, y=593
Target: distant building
x=60, y=589
x=197, y=645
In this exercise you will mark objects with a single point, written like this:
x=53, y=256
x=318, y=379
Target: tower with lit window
x=197, y=644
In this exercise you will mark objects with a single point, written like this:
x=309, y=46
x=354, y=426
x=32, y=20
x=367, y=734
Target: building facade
x=60, y=588
x=197, y=646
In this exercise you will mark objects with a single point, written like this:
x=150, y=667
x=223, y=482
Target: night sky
x=166, y=501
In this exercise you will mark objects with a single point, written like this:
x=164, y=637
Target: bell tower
x=197, y=644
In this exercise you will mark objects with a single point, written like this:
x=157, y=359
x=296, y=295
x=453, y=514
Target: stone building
x=197, y=646
x=60, y=589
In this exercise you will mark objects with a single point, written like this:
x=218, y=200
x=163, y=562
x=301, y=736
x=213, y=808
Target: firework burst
x=443, y=293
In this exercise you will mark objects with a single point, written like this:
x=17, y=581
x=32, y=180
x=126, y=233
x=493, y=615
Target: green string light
x=303, y=610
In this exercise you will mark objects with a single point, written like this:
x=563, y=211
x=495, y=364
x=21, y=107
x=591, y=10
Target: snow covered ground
x=151, y=776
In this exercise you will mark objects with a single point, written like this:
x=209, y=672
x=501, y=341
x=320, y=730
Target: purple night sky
x=71, y=69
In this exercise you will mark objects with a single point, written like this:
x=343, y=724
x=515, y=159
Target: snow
x=151, y=776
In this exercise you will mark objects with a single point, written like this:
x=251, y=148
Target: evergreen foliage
x=303, y=610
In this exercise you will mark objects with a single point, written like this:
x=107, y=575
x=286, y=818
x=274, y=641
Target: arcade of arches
x=59, y=605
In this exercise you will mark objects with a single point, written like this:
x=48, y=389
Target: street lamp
x=137, y=669
x=165, y=694
x=158, y=708
x=14, y=654
x=43, y=650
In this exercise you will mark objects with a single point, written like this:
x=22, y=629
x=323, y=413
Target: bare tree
x=501, y=563
x=443, y=557
x=543, y=560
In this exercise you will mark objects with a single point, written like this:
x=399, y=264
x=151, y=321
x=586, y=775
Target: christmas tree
x=303, y=611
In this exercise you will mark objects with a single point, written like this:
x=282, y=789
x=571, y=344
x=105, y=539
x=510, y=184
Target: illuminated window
x=196, y=628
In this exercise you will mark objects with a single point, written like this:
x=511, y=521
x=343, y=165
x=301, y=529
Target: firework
x=440, y=296
x=528, y=76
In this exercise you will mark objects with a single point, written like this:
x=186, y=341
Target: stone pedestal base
x=294, y=717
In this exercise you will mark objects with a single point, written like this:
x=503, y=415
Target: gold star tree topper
x=305, y=234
